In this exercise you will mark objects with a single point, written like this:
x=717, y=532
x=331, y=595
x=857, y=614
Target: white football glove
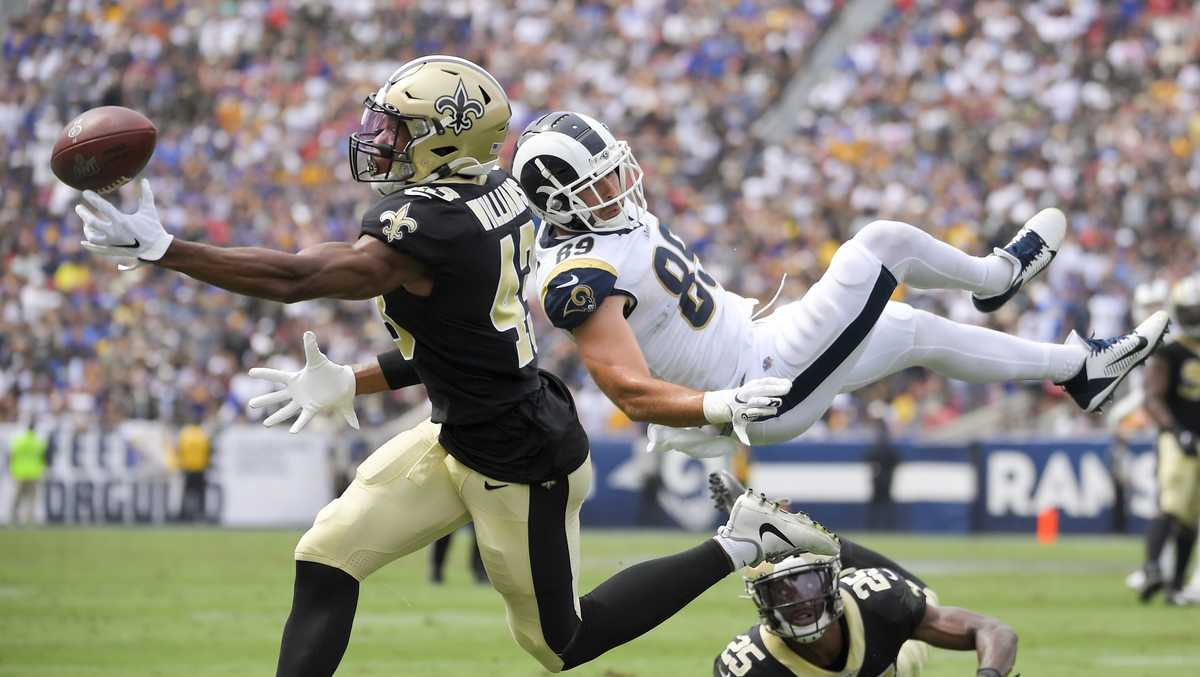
x=320, y=386
x=746, y=404
x=706, y=442
x=111, y=232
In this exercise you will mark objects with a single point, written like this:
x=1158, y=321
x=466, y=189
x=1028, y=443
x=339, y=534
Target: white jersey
x=692, y=331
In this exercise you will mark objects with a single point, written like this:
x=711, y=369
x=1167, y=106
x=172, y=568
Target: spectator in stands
x=963, y=117
x=194, y=452
x=26, y=465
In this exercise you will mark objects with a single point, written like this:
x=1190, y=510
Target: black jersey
x=1183, y=389
x=883, y=610
x=471, y=341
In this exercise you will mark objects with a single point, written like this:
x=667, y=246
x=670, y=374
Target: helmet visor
x=381, y=149
x=798, y=599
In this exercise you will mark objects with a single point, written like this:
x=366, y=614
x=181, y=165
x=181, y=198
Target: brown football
x=103, y=148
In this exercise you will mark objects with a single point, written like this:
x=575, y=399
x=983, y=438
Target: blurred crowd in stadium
x=960, y=117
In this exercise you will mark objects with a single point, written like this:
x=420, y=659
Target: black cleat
x=724, y=489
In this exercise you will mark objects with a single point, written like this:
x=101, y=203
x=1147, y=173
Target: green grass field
x=121, y=602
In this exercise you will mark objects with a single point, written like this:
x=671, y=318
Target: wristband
x=716, y=407
x=397, y=371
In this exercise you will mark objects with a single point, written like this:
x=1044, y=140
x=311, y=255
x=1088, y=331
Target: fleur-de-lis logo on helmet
x=397, y=222
x=459, y=108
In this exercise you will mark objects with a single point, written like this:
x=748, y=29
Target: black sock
x=318, y=628
x=637, y=599
x=1156, y=538
x=437, y=558
x=1185, y=542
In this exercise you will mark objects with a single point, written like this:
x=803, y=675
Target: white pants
x=844, y=333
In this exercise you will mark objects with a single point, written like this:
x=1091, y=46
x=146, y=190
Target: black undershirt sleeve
x=397, y=371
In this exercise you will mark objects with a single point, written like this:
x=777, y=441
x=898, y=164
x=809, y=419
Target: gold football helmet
x=436, y=116
x=1184, y=306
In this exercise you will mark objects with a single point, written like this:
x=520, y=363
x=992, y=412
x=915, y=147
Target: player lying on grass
x=445, y=254
x=656, y=331
x=857, y=614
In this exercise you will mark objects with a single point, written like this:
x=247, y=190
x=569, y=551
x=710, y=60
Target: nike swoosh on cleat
x=571, y=282
x=768, y=528
x=492, y=487
x=135, y=245
x=1142, y=343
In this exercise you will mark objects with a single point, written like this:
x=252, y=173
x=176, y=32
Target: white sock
x=937, y=265
x=921, y=260
x=980, y=355
x=741, y=552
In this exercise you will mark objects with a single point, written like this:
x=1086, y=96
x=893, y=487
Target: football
x=103, y=148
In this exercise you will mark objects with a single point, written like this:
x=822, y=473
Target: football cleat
x=724, y=489
x=1152, y=582
x=1030, y=251
x=1110, y=360
x=1185, y=597
x=775, y=532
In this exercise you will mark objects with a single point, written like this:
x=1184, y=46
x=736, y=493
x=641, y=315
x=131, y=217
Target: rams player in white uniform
x=656, y=331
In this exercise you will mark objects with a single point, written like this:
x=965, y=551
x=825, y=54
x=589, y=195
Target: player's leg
x=817, y=340
x=401, y=499
x=1088, y=369
x=529, y=538
x=906, y=337
x=1173, y=505
x=1185, y=531
x=920, y=260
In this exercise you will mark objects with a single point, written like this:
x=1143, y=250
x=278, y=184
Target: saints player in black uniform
x=445, y=254
x=1173, y=403
x=859, y=614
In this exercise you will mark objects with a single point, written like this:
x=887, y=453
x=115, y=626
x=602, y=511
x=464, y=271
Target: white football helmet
x=577, y=175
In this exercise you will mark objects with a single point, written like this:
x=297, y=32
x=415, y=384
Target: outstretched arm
x=610, y=350
x=963, y=630
x=340, y=270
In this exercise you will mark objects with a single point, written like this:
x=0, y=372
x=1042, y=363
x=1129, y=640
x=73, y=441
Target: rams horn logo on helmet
x=459, y=107
x=397, y=222
x=583, y=300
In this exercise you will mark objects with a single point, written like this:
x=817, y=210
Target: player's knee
x=551, y=661
x=887, y=239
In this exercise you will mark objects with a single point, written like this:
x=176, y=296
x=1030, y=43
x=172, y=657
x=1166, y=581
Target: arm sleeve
x=397, y=371
x=571, y=295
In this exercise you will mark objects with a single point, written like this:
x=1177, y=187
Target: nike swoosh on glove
x=322, y=385
x=111, y=232
x=750, y=402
